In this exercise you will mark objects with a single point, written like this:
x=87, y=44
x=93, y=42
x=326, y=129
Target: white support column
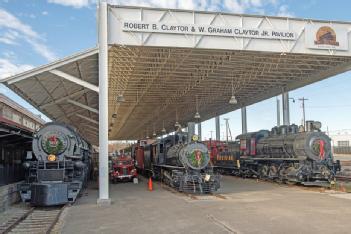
x=286, y=111
x=278, y=112
x=199, y=132
x=243, y=120
x=218, y=130
x=103, y=106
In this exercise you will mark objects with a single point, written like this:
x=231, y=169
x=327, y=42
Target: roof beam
x=83, y=106
x=90, y=127
x=81, y=92
x=75, y=80
x=87, y=118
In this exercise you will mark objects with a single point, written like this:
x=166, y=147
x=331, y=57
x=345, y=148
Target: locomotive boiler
x=60, y=168
x=288, y=154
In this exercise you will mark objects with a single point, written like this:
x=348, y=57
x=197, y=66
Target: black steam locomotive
x=180, y=161
x=284, y=154
x=60, y=168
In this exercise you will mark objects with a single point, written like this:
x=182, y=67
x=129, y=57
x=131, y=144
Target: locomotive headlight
x=26, y=165
x=52, y=157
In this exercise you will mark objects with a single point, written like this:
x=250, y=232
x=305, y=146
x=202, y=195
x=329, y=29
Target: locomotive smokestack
x=191, y=130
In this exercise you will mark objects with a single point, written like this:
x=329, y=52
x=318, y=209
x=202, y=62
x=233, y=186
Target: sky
x=36, y=32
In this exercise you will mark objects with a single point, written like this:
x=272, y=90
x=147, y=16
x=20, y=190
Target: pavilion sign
x=208, y=30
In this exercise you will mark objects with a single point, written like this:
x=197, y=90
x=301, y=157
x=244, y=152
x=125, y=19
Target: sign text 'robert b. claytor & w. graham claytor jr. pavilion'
x=195, y=29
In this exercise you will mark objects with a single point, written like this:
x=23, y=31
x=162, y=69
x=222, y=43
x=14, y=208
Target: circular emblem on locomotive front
x=196, y=159
x=318, y=148
x=54, y=143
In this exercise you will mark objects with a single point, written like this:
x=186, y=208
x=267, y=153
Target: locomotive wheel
x=273, y=172
x=264, y=171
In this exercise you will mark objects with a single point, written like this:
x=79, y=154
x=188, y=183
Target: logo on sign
x=326, y=36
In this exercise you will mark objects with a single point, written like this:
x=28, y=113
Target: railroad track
x=343, y=178
x=33, y=220
x=190, y=195
x=345, y=163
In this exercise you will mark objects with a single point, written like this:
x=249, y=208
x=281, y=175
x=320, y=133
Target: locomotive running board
x=276, y=159
x=317, y=183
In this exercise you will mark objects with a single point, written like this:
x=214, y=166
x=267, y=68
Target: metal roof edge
x=50, y=66
x=226, y=13
x=11, y=103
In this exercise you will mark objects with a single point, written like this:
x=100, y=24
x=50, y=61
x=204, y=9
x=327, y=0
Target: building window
x=343, y=143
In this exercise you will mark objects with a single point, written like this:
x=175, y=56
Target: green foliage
x=53, y=150
x=194, y=161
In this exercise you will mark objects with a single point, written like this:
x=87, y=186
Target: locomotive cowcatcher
x=123, y=169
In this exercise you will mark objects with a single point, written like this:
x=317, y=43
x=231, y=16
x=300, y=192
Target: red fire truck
x=123, y=169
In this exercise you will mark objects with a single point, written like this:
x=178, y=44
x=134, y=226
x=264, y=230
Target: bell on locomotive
x=60, y=166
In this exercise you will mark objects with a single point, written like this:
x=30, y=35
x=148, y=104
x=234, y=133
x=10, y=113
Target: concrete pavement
x=242, y=206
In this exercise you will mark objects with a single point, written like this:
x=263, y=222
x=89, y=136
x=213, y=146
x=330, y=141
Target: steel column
x=103, y=106
x=286, y=111
x=191, y=130
x=218, y=130
x=243, y=120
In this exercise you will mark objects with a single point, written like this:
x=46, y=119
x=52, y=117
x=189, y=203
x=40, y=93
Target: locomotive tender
x=179, y=160
x=60, y=169
x=284, y=154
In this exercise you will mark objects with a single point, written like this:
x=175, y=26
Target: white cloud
x=256, y=3
x=7, y=20
x=7, y=68
x=17, y=30
x=284, y=11
x=9, y=54
x=73, y=3
x=42, y=49
x=233, y=6
x=44, y=13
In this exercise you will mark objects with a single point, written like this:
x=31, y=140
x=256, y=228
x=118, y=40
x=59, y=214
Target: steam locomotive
x=60, y=168
x=285, y=154
x=179, y=160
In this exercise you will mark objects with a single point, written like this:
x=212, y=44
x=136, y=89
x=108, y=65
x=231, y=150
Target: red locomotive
x=123, y=169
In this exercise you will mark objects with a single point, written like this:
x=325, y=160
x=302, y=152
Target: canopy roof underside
x=161, y=85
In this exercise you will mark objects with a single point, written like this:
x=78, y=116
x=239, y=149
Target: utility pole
x=278, y=112
x=303, y=99
x=227, y=128
x=211, y=134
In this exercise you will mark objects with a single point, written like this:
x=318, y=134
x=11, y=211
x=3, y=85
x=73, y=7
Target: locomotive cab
x=248, y=142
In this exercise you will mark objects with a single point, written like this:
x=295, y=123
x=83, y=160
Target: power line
x=329, y=106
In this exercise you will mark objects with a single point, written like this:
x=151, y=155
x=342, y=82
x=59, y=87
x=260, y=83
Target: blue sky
x=35, y=32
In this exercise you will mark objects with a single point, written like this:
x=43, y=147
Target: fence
x=342, y=150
